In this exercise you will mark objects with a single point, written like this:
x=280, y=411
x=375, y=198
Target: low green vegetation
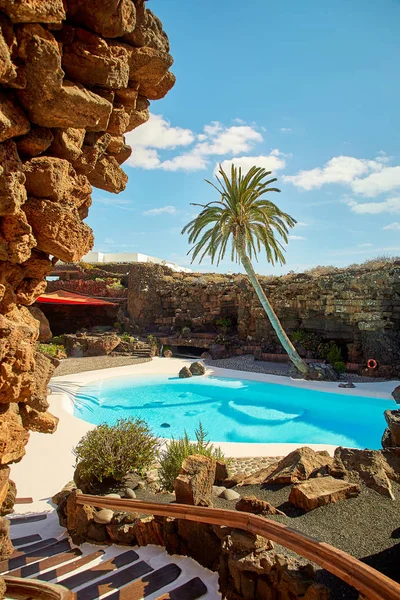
x=125, y=337
x=327, y=350
x=172, y=457
x=185, y=330
x=53, y=350
x=112, y=451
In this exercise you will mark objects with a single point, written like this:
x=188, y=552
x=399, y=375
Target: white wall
x=129, y=257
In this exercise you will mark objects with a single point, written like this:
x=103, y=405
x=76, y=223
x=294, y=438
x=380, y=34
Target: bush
x=185, y=330
x=298, y=335
x=173, y=456
x=53, y=350
x=112, y=451
x=125, y=337
x=339, y=366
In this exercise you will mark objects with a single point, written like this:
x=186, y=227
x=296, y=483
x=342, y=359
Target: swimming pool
x=235, y=410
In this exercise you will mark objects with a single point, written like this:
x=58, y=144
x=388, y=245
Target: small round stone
x=130, y=493
x=229, y=495
x=112, y=496
x=103, y=517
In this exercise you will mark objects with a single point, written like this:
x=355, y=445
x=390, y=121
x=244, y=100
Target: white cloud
x=391, y=205
x=386, y=180
x=216, y=139
x=301, y=224
x=393, y=226
x=296, y=237
x=286, y=129
x=364, y=245
x=185, y=162
x=231, y=140
x=270, y=162
x=340, y=169
x=158, y=133
x=170, y=210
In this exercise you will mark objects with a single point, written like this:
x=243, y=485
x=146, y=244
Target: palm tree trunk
x=276, y=324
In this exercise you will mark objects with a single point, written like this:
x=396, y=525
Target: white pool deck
x=49, y=461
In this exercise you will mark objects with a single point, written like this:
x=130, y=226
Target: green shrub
x=172, y=457
x=58, y=339
x=125, y=337
x=298, y=335
x=112, y=451
x=339, y=366
x=185, y=330
x=224, y=323
x=53, y=350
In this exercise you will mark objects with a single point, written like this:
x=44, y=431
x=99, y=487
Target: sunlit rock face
x=75, y=75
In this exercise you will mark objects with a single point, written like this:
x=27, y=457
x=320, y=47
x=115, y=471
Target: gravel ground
x=247, y=363
x=367, y=527
x=68, y=366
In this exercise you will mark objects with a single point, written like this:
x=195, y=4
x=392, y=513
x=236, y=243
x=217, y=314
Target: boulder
x=44, y=326
x=299, y=465
x=346, y=385
x=185, y=373
x=159, y=90
x=195, y=481
x=58, y=229
x=12, y=179
x=43, y=422
x=321, y=491
x=13, y=435
x=16, y=238
x=367, y=466
x=148, y=66
x=110, y=19
x=4, y=485
x=7, y=69
x=253, y=505
x=107, y=175
x=246, y=542
x=197, y=368
x=221, y=471
x=316, y=372
x=6, y=547
x=34, y=11
x=148, y=31
x=44, y=369
x=396, y=394
x=35, y=142
x=8, y=503
x=13, y=121
x=67, y=143
x=91, y=345
x=393, y=420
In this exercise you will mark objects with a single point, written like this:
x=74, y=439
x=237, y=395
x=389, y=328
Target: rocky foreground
x=74, y=77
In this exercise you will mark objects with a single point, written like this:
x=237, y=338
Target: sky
x=308, y=90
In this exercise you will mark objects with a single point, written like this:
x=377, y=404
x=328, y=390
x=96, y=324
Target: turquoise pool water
x=236, y=410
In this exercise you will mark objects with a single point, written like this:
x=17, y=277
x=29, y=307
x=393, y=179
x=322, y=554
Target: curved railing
x=373, y=584
x=35, y=589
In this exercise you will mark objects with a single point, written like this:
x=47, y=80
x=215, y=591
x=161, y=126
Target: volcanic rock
x=12, y=179
x=34, y=11
x=35, y=142
x=396, y=394
x=112, y=19
x=185, y=373
x=44, y=326
x=197, y=368
x=320, y=491
x=253, y=505
x=195, y=481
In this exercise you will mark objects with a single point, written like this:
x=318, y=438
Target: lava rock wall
x=358, y=308
x=75, y=75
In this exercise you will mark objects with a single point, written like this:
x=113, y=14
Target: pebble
x=130, y=493
x=217, y=490
x=229, y=495
x=112, y=496
x=103, y=517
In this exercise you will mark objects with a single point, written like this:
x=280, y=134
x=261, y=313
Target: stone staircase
x=91, y=573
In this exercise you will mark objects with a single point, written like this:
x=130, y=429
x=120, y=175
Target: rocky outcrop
x=253, y=505
x=321, y=491
x=82, y=344
x=185, y=373
x=299, y=465
x=197, y=368
x=44, y=326
x=357, y=307
x=396, y=394
x=391, y=436
x=74, y=77
x=195, y=480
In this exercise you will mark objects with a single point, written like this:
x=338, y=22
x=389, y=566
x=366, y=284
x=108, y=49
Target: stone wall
x=74, y=77
x=358, y=308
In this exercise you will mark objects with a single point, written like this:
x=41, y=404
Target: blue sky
x=309, y=90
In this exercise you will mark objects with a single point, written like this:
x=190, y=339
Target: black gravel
x=367, y=527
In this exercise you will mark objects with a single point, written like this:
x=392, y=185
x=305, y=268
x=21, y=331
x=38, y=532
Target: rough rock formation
x=75, y=75
x=320, y=491
x=195, y=480
x=358, y=308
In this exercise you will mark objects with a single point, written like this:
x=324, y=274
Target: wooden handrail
x=373, y=584
x=35, y=589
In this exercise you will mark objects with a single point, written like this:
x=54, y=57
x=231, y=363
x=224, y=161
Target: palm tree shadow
x=387, y=562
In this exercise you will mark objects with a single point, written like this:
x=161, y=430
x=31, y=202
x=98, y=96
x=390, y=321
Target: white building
x=130, y=257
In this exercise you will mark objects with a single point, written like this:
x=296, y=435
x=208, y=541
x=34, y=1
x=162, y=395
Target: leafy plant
x=298, y=335
x=224, y=323
x=58, y=340
x=185, y=330
x=125, y=337
x=339, y=366
x=53, y=350
x=172, y=457
x=112, y=451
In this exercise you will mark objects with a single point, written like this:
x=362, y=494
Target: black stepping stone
x=24, y=520
x=145, y=586
x=115, y=581
x=28, y=539
x=191, y=590
x=100, y=570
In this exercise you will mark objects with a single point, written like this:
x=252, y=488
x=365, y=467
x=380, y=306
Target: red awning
x=64, y=297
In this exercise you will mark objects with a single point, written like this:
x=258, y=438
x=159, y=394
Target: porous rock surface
x=75, y=75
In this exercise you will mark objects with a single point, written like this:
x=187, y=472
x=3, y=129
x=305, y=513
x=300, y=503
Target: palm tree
x=248, y=222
